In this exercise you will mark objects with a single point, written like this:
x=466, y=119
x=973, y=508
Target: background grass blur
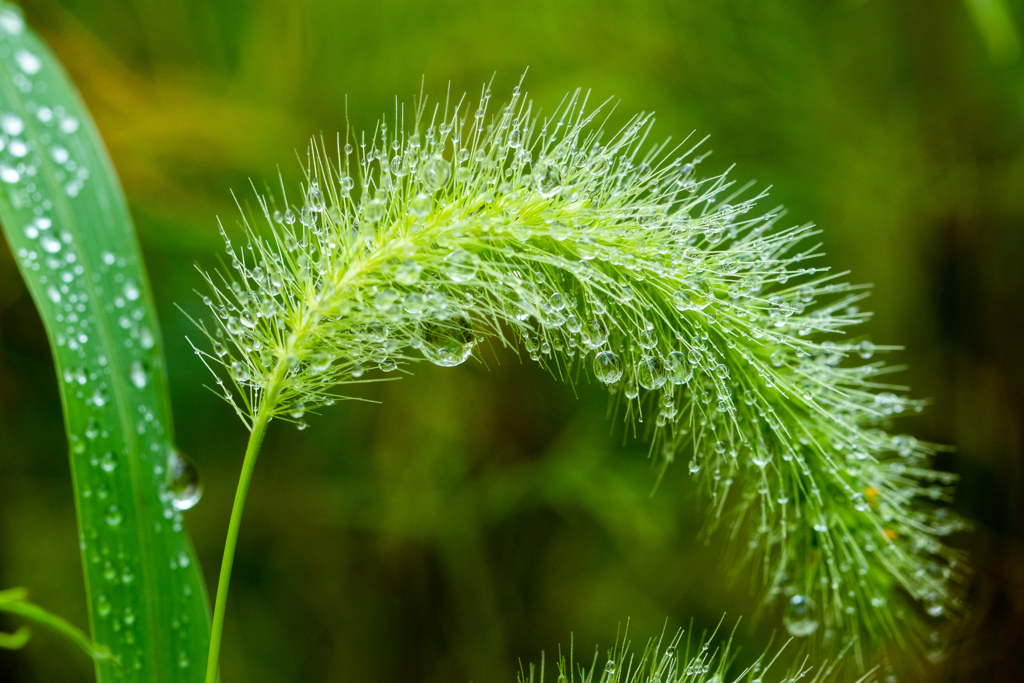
x=480, y=514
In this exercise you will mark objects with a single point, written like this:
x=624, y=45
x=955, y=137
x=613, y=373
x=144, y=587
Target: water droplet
x=59, y=154
x=647, y=338
x=12, y=124
x=138, y=374
x=933, y=605
x=183, y=481
x=609, y=668
x=559, y=231
x=373, y=211
x=860, y=503
x=131, y=290
x=53, y=294
x=50, y=244
x=103, y=606
x=11, y=21
x=100, y=397
x=108, y=463
x=448, y=343
x=320, y=361
x=679, y=369
x=420, y=205
x=8, y=174
x=385, y=298
x=114, y=516
x=594, y=334
x=408, y=272
x=315, y=198
x=435, y=173
x=462, y=265
x=548, y=179
x=28, y=62
x=239, y=371
x=651, y=372
x=800, y=618
x=607, y=367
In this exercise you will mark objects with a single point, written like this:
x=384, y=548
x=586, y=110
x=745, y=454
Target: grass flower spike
x=613, y=260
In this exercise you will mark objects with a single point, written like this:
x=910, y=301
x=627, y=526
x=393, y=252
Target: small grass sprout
x=685, y=659
x=607, y=258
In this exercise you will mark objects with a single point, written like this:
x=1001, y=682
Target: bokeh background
x=477, y=516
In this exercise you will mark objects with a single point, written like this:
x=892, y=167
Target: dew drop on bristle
x=607, y=367
x=447, y=343
x=801, y=618
x=651, y=372
x=435, y=173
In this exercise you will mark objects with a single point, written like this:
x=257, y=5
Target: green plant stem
x=259, y=427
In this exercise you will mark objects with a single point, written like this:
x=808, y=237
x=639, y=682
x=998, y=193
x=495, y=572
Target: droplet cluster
x=595, y=251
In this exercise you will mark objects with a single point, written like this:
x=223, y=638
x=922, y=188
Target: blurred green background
x=479, y=515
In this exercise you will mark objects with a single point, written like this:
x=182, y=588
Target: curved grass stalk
x=15, y=601
x=610, y=259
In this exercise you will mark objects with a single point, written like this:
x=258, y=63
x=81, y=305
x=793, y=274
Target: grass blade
x=66, y=219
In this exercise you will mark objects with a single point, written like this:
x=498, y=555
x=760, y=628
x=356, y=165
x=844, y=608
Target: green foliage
x=67, y=223
x=606, y=258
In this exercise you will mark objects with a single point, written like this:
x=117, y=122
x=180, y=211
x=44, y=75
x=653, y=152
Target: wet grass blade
x=66, y=219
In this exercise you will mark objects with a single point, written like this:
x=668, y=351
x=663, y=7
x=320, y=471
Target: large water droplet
x=462, y=265
x=801, y=616
x=315, y=198
x=420, y=205
x=594, y=333
x=373, y=211
x=679, y=369
x=548, y=179
x=651, y=372
x=183, y=481
x=435, y=173
x=239, y=371
x=449, y=342
x=408, y=272
x=607, y=367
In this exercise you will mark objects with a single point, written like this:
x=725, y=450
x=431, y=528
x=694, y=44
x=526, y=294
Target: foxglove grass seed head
x=611, y=259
